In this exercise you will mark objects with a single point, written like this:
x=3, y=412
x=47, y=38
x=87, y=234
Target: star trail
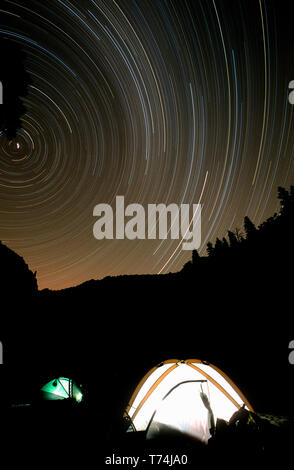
x=160, y=101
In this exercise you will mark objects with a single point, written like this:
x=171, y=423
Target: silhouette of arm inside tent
x=206, y=403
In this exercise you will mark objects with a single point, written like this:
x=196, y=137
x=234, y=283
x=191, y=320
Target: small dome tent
x=60, y=389
x=186, y=396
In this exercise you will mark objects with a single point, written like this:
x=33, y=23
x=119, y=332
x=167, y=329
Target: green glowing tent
x=61, y=389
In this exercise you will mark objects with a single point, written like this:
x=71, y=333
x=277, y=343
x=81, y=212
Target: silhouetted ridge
x=15, y=275
x=262, y=254
x=230, y=308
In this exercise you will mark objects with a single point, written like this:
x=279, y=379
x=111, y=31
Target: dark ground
x=110, y=343
x=234, y=309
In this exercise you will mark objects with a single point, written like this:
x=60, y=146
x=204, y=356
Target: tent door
x=183, y=410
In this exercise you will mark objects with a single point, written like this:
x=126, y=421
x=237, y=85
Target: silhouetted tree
x=232, y=239
x=225, y=243
x=239, y=235
x=195, y=257
x=283, y=195
x=209, y=249
x=286, y=200
x=15, y=81
x=249, y=227
x=218, y=248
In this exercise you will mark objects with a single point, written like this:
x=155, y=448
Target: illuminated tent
x=61, y=389
x=186, y=396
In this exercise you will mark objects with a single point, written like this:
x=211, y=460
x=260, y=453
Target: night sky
x=159, y=101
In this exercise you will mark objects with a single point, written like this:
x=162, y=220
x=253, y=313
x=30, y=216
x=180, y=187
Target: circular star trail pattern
x=158, y=101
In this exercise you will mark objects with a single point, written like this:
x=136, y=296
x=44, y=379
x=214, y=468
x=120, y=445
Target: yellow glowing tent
x=187, y=396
